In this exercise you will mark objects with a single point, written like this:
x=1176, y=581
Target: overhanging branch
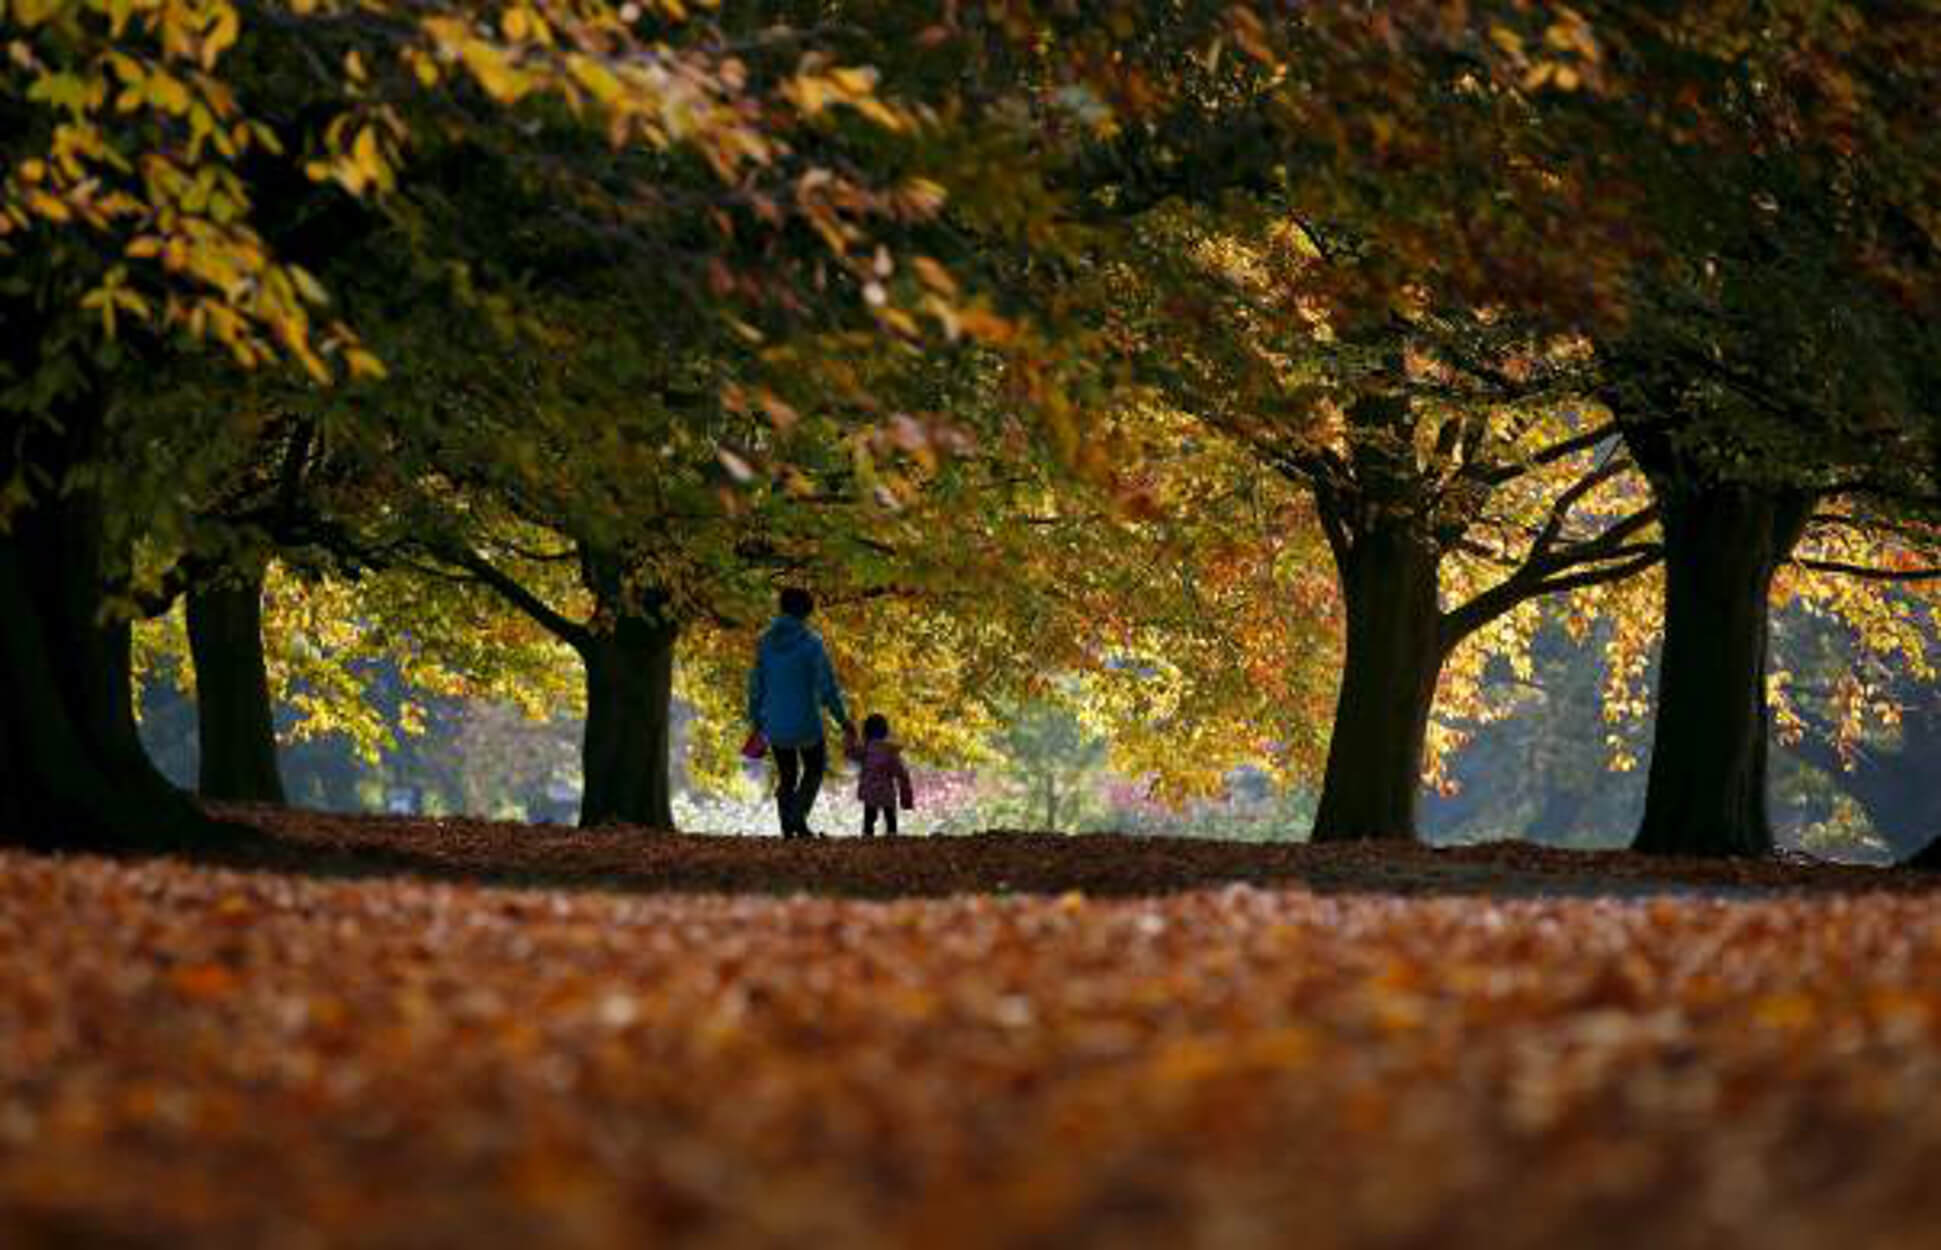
x=1924, y=574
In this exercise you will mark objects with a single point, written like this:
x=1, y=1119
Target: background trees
x=1058, y=349
x=1728, y=208
x=166, y=163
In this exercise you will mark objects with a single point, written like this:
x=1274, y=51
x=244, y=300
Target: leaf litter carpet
x=632, y=1040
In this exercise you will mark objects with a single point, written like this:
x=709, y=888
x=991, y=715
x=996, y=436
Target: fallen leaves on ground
x=997, y=862
x=199, y=1055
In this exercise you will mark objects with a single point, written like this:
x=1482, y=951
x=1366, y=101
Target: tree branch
x=1871, y=574
x=1502, y=473
x=1553, y=522
x=1545, y=572
x=508, y=588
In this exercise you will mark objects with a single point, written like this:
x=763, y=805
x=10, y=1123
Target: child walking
x=884, y=781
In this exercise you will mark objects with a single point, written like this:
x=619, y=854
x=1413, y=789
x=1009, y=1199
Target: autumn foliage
x=1197, y=367
x=1491, y=1047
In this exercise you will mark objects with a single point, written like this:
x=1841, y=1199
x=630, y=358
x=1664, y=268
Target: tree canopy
x=1253, y=377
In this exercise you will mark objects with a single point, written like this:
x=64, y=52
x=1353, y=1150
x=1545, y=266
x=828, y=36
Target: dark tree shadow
x=633, y=860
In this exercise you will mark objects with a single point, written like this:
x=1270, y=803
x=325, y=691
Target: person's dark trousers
x=799, y=779
x=869, y=821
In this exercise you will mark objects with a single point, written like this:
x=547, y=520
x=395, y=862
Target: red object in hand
x=756, y=746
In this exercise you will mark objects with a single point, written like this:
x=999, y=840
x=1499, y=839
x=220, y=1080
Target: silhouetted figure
x=791, y=683
x=884, y=781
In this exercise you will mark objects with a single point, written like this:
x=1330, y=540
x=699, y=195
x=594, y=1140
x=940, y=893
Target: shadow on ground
x=636, y=860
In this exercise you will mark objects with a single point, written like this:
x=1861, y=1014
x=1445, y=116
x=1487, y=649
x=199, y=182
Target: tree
x=1180, y=269
x=1453, y=463
x=1048, y=755
x=1729, y=206
x=234, y=717
x=1855, y=697
x=143, y=151
x=1768, y=364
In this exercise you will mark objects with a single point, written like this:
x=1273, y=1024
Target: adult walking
x=791, y=683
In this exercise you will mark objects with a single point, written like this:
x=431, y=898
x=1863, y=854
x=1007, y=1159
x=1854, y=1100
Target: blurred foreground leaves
x=197, y=1054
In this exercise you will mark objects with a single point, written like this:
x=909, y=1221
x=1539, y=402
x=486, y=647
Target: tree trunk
x=629, y=697
x=1394, y=657
x=235, y=724
x=1705, y=793
x=72, y=770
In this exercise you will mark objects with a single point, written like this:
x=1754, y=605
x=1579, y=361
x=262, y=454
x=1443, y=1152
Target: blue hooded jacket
x=791, y=683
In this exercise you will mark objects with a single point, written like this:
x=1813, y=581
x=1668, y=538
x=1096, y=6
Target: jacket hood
x=786, y=634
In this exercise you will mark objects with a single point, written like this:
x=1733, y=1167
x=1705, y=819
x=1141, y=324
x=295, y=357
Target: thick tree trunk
x=235, y=723
x=1705, y=793
x=629, y=696
x=1394, y=657
x=72, y=770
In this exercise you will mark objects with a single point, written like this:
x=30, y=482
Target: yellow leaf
x=854, y=81
x=368, y=159
x=595, y=77
x=307, y=285
x=221, y=37
x=49, y=207
x=168, y=93
x=494, y=70
x=424, y=67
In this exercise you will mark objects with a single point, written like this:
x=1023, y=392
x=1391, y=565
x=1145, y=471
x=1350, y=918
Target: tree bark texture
x=72, y=769
x=1705, y=793
x=235, y=722
x=629, y=698
x=1394, y=658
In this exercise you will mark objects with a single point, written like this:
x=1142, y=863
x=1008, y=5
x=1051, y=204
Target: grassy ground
x=631, y=1040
